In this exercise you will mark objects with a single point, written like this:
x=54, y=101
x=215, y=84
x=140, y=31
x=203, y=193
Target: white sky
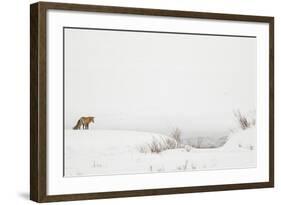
x=156, y=82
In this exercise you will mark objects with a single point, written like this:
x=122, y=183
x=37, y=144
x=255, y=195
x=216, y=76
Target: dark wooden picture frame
x=38, y=101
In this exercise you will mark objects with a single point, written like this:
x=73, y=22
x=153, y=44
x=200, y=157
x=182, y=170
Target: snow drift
x=108, y=152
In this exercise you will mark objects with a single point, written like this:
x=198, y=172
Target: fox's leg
x=80, y=124
x=83, y=124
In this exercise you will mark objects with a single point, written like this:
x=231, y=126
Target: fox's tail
x=77, y=126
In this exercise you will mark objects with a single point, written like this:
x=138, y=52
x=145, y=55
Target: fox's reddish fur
x=83, y=123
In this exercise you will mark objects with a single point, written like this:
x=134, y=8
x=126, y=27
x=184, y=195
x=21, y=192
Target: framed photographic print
x=134, y=102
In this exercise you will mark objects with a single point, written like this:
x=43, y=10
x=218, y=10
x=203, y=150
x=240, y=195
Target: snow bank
x=245, y=139
x=108, y=152
x=107, y=139
x=91, y=152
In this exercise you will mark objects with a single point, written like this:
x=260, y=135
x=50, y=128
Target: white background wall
x=14, y=109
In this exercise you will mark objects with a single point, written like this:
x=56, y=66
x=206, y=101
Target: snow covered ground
x=108, y=152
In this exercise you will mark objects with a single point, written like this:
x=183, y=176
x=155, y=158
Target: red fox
x=83, y=123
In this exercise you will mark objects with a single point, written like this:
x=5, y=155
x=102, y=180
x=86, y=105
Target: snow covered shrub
x=169, y=143
x=155, y=146
x=158, y=145
x=143, y=149
x=187, y=148
x=176, y=134
x=245, y=121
